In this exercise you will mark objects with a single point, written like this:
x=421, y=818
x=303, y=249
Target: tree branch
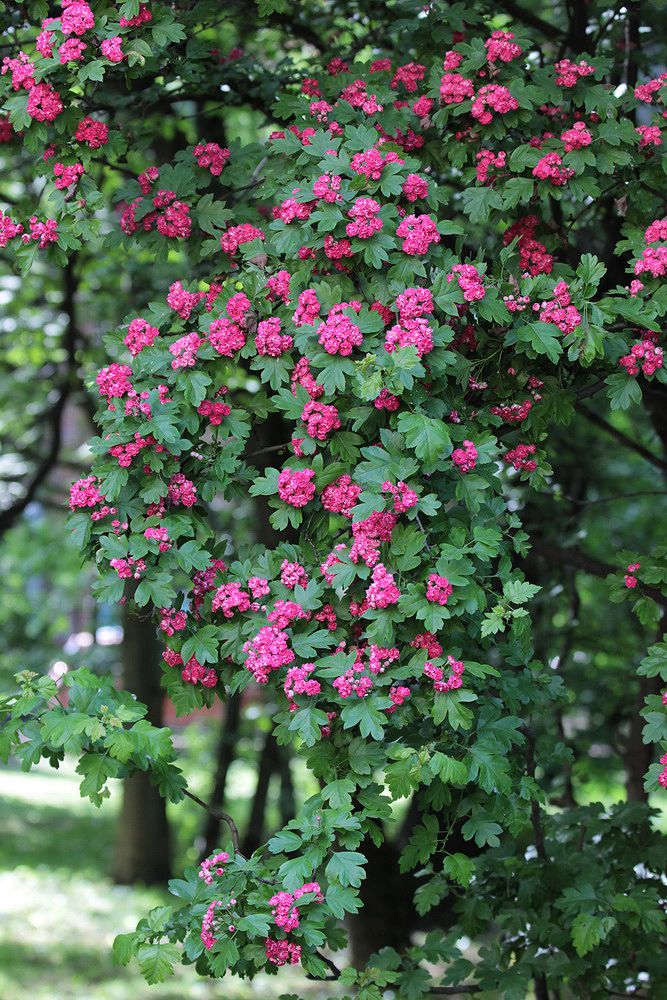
x=516, y=11
x=622, y=438
x=587, y=564
x=223, y=817
x=54, y=415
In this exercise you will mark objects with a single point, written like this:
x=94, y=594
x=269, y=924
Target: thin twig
x=223, y=817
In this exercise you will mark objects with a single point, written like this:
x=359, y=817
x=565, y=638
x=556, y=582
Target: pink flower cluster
x=269, y=339
x=630, y=579
x=226, y=337
x=213, y=866
x=577, y=137
x=231, y=599
x=465, y=458
x=269, y=650
x=182, y=491
x=486, y=159
x=414, y=187
x=365, y=222
x=404, y=497
x=182, y=301
x=418, y=232
x=112, y=49
x=550, y=168
x=438, y=589
x=568, y=73
x=490, y=99
x=320, y=420
x=76, y=19
x=211, y=157
x=184, y=350
x=513, y=413
x=371, y=163
x=500, y=47
x=296, y=487
x=338, y=334
x=195, y=672
x=437, y=675
x=646, y=91
x=236, y=236
x=172, y=621
x=469, y=281
x=293, y=575
x=533, y=256
x=559, y=310
x=44, y=104
x=645, y=354
x=282, y=952
x=518, y=458
x=140, y=335
x=341, y=496
x=454, y=88
x=383, y=590
x=299, y=681
x=84, y=493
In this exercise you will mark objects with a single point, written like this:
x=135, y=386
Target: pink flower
x=211, y=157
x=438, y=589
x=383, y=590
x=44, y=104
x=76, y=19
x=454, y=88
x=111, y=49
x=339, y=335
x=94, y=133
x=418, y=232
x=466, y=457
x=500, y=47
x=296, y=487
x=226, y=337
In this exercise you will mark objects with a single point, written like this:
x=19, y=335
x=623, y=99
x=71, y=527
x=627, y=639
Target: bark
x=638, y=756
x=142, y=850
x=268, y=761
x=388, y=915
x=225, y=754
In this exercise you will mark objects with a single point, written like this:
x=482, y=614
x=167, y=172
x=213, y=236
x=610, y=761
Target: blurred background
x=62, y=860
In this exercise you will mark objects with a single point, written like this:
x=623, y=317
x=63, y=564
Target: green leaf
x=157, y=961
x=123, y=948
x=369, y=719
x=96, y=770
x=588, y=931
x=624, y=390
x=543, y=338
x=347, y=868
x=450, y=771
x=483, y=830
x=426, y=436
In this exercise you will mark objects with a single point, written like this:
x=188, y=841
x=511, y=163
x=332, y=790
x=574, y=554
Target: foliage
x=404, y=343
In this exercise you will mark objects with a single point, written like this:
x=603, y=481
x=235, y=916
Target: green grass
x=59, y=911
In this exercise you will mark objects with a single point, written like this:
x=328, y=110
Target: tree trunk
x=268, y=761
x=226, y=751
x=142, y=849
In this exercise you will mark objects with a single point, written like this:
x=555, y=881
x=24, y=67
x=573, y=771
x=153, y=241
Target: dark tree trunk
x=268, y=761
x=388, y=914
x=142, y=850
x=225, y=754
x=638, y=756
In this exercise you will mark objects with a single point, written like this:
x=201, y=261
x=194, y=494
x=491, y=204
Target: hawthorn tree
x=378, y=318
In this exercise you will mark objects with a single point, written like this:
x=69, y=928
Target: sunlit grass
x=59, y=910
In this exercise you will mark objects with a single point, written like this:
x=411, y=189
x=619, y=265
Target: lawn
x=59, y=911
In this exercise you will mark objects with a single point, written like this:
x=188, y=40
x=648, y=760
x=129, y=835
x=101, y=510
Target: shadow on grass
x=33, y=834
